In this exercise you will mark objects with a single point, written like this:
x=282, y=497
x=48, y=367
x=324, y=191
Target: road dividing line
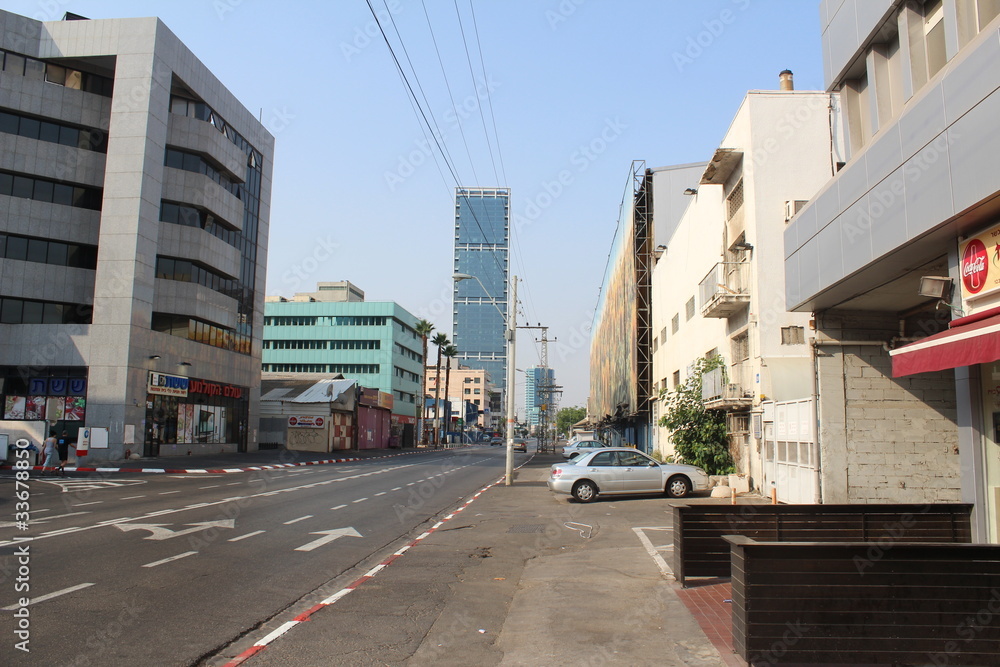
x=381, y=493
x=210, y=486
x=359, y=500
x=167, y=560
x=43, y=598
x=243, y=537
x=301, y=518
x=167, y=493
x=338, y=507
x=133, y=497
x=93, y=502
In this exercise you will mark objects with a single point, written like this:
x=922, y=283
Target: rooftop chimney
x=785, y=80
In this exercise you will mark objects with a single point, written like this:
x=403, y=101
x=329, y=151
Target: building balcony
x=725, y=291
x=729, y=389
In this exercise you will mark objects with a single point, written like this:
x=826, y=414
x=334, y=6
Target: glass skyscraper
x=537, y=392
x=482, y=226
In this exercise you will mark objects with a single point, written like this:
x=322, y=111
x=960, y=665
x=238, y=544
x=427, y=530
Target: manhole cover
x=527, y=528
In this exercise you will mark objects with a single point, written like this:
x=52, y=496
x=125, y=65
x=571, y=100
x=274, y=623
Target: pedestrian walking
x=50, y=450
x=63, y=445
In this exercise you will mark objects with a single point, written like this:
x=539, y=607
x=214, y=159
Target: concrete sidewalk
x=519, y=576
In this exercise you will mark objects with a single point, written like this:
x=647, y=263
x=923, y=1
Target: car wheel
x=678, y=486
x=585, y=491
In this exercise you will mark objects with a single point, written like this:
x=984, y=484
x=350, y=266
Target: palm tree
x=440, y=340
x=423, y=329
x=449, y=353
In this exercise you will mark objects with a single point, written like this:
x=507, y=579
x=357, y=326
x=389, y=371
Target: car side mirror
x=654, y=464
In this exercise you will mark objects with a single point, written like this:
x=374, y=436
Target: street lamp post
x=510, y=320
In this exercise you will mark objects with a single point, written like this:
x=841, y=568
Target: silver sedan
x=623, y=470
x=569, y=451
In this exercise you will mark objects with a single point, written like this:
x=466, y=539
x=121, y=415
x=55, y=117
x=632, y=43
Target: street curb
x=262, y=643
x=216, y=471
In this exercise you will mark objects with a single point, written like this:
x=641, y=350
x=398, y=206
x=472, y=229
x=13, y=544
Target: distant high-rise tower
x=538, y=394
x=482, y=225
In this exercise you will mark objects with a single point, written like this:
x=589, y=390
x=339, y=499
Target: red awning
x=969, y=340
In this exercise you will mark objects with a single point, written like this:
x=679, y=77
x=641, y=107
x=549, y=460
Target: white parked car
x=580, y=446
x=623, y=470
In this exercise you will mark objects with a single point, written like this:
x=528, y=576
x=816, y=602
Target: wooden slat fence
x=861, y=603
x=700, y=551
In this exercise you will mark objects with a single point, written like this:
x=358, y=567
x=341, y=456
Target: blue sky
x=579, y=89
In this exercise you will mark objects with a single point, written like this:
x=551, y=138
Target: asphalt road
x=167, y=569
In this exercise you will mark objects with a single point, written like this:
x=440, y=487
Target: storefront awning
x=974, y=339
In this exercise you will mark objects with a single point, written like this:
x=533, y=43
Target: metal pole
x=511, y=363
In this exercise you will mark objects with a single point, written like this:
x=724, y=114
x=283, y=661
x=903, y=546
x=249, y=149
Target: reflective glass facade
x=537, y=380
x=482, y=226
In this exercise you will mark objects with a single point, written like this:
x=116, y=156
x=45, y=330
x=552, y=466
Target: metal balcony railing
x=729, y=388
x=725, y=290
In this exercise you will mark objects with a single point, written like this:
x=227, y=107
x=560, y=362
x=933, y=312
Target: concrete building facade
x=134, y=213
x=465, y=384
x=374, y=343
x=718, y=284
x=906, y=411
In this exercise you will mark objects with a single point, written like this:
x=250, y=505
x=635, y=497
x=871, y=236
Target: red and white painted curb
x=216, y=471
x=262, y=643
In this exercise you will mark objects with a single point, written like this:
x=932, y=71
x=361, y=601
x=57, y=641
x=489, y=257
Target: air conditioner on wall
x=793, y=207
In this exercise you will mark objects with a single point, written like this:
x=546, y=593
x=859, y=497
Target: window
x=602, y=459
x=41, y=189
x=47, y=252
x=675, y=323
x=793, y=336
x=676, y=379
x=663, y=335
x=741, y=347
x=28, y=311
x=689, y=309
x=734, y=202
x=934, y=36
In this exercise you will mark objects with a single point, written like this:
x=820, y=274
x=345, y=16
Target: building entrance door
x=791, y=461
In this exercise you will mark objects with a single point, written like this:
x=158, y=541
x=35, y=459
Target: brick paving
x=705, y=602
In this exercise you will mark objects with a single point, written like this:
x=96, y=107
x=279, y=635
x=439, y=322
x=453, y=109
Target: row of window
x=30, y=311
x=17, y=64
x=403, y=396
x=186, y=271
x=407, y=352
x=339, y=320
x=48, y=252
x=473, y=391
x=201, y=332
x=42, y=189
x=352, y=369
x=190, y=216
x=322, y=344
x=193, y=162
x=406, y=375
x=201, y=111
x=56, y=133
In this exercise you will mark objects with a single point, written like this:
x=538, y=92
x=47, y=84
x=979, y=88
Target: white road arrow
x=160, y=533
x=328, y=536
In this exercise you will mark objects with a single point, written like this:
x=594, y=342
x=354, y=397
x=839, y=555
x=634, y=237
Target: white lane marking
x=210, y=486
x=5, y=543
x=359, y=500
x=45, y=509
x=381, y=493
x=338, y=507
x=243, y=537
x=398, y=488
x=167, y=560
x=60, y=516
x=375, y=570
x=93, y=502
x=285, y=627
x=336, y=596
x=167, y=493
x=158, y=531
x=651, y=550
x=234, y=483
x=301, y=518
x=64, y=531
x=49, y=596
x=328, y=536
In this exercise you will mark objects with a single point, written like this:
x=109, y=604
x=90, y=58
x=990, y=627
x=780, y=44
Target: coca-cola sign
x=975, y=266
x=979, y=268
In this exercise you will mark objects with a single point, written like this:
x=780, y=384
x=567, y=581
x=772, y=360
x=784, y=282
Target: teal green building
x=374, y=343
